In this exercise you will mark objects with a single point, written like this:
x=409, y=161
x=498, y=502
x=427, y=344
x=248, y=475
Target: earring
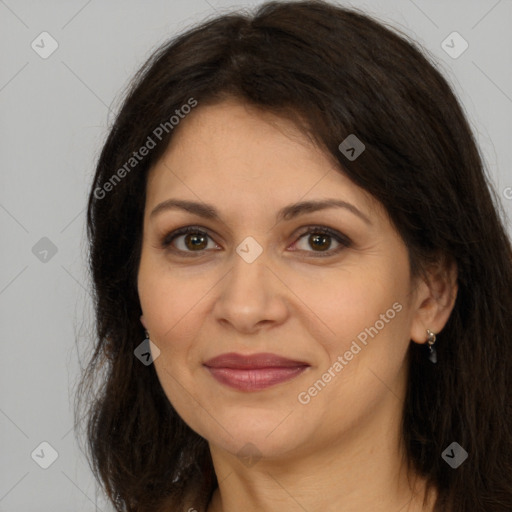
x=118, y=501
x=432, y=356
x=147, y=336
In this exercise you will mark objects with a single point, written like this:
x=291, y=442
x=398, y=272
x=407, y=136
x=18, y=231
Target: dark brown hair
x=335, y=72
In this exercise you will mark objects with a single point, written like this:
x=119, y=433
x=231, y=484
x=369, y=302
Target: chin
x=255, y=433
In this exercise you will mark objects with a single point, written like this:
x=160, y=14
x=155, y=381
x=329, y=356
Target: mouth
x=252, y=361
x=253, y=372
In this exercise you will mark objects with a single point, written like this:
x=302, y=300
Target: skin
x=342, y=451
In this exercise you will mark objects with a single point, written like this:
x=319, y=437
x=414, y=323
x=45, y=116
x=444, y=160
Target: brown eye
x=196, y=241
x=320, y=240
x=189, y=239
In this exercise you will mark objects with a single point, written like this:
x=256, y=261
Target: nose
x=251, y=296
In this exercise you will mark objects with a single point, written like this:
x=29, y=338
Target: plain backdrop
x=53, y=120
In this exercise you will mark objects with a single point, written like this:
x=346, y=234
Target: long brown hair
x=334, y=71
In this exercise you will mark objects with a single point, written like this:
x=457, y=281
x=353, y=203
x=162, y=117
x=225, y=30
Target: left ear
x=434, y=299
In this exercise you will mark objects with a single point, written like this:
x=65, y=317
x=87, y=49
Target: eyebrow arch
x=291, y=211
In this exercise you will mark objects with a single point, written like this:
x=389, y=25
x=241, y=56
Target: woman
x=340, y=340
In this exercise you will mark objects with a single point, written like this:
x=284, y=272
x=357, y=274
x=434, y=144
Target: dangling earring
x=118, y=501
x=432, y=356
x=147, y=336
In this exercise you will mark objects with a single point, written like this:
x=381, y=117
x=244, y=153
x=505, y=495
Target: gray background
x=54, y=117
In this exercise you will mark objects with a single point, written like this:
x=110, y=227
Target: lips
x=254, y=372
x=253, y=361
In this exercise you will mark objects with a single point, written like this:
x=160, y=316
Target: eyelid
x=344, y=241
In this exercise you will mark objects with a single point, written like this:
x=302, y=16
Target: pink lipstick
x=253, y=372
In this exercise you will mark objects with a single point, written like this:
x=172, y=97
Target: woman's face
x=253, y=281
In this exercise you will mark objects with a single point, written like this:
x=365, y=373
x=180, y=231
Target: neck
x=364, y=470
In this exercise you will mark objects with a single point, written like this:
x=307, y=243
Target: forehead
x=240, y=157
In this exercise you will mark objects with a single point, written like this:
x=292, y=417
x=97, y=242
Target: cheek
x=170, y=301
x=360, y=300
x=173, y=312
x=364, y=357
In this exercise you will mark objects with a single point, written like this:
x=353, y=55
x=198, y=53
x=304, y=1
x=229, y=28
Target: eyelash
x=343, y=240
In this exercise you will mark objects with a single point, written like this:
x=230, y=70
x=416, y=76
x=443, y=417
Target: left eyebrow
x=294, y=210
x=291, y=211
